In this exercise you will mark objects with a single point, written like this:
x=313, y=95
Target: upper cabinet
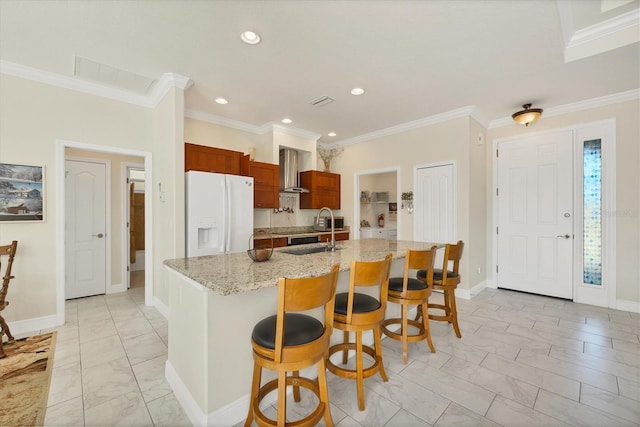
x=211, y=159
x=324, y=190
x=265, y=183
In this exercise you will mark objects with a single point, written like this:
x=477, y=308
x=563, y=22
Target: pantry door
x=535, y=214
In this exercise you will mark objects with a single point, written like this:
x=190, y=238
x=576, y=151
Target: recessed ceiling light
x=222, y=101
x=357, y=91
x=331, y=134
x=287, y=121
x=249, y=37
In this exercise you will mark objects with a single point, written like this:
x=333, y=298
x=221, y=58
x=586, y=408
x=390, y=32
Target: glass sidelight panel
x=592, y=212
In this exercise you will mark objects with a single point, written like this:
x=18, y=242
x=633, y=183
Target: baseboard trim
x=470, y=293
x=162, y=307
x=36, y=324
x=189, y=405
x=114, y=289
x=626, y=305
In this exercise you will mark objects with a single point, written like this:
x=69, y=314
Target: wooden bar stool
x=358, y=312
x=408, y=291
x=290, y=341
x=447, y=281
x=10, y=251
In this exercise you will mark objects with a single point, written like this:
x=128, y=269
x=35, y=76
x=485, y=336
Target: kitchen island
x=214, y=302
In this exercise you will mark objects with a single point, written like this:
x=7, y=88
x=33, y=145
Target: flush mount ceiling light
x=287, y=121
x=357, y=91
x=331, y=134
x=222, y=101
x=528, y=115
x=250, y=37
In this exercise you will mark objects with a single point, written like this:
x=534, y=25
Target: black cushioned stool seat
x=298, y=329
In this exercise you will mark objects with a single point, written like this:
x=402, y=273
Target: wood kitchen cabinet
x=340, y=235
x=278, y=242
x=324, y=190
x=211, y=159
x=266, y=184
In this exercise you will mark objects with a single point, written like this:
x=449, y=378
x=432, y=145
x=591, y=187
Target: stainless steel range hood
x=289, y=172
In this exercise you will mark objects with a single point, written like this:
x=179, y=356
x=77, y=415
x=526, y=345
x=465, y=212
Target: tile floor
x=522, y=360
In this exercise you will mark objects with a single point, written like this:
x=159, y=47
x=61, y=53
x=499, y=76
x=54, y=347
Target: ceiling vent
x=106, y=74
x=321, y=102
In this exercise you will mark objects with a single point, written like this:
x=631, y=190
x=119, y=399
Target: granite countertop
x=230, y=274
x=266, y=233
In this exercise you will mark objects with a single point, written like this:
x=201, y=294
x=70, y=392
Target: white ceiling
x=415, y=59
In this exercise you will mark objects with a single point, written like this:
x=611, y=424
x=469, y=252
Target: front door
x=535, y=214
x=85, y=228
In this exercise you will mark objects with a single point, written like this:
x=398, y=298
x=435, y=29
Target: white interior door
x=535, y=214
x=85, y=228
x=434, y=204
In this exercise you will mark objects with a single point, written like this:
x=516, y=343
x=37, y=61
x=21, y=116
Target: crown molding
x=246, y=127
x=469, y=111
x=607, y=35
x=616, y=98
x=160, y=89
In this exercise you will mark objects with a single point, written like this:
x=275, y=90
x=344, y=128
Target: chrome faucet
x=332, y=244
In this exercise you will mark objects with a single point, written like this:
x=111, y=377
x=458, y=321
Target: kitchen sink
x=306, y=251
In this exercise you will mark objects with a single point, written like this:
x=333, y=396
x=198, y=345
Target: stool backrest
x=418, y=259
x=366, y=274
x=303, y=294
x=452, y=254
x=9, y=250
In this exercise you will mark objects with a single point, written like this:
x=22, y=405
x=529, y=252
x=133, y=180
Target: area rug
x=25, y=375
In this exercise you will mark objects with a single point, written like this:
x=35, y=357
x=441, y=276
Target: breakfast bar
x=216, y=300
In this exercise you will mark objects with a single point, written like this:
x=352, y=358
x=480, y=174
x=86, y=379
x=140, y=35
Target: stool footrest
x=310, y=420
x=422, y=334
x=352, y=373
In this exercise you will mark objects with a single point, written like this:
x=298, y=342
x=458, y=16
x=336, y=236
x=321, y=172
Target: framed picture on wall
x=21, y=193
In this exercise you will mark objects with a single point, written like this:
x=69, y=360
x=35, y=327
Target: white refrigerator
x=219, y=213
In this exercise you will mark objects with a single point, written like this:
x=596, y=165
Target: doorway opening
x=114, y=206
x=134, y=232
x=376, y=197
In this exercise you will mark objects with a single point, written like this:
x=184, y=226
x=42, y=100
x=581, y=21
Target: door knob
x=99, y=235
x=564, y=236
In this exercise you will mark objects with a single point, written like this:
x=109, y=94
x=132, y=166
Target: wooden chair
x=358, y=312
x=290, y=341
x=447, y=281
x=408, y=291
x=10, y=251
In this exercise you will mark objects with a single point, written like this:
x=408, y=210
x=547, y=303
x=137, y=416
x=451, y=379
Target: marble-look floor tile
x=486, y=346
x=509, y=413
x=450, y=387
x=65, y=333
x=569, y=370
x=65, y=414
x=348, y=422
x=167, y=412
x=66, y=352
x=514, y=340
x=403, y=418
x=545, y=337
x=626, y=346
x=343, y=394
x=600, y=329
x=144, y=347
x=594, y=362
x=411, y=397
x=66, y=383
x=134, y=327
x=574, y=413
x=501, y=384
x=91, y=330
x=615, y=326
x=538, y=377
x=126, y=409
x=628, y=358
x=307, y=404
x=573, y=334
x=392, y=355
x=107, y=381
x=458, y=416
x=628, y=388
x=612, y=403
x=100, y=351
x=527, y=317
x=151, y=379
x=471, y=322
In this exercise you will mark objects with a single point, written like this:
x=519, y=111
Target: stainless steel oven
x=302, y=240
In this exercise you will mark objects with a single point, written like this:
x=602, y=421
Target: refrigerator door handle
x=227, y=242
